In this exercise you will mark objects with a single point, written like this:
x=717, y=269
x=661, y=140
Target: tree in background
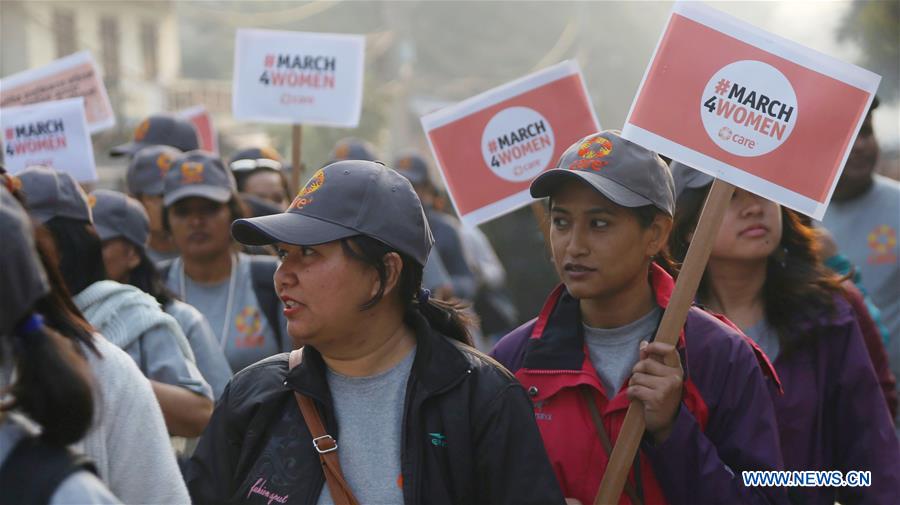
x=875, y=26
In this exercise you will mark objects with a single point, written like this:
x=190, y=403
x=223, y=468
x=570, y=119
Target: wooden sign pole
x=620, y=461
x=296, y=167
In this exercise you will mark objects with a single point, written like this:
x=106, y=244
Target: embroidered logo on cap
x=342, y=151
x=191, y=172
x=164, y=163
x=141, y=131
x=303, y=199
x=589, y=153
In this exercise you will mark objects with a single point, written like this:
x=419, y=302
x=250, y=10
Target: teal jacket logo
x=438, y=439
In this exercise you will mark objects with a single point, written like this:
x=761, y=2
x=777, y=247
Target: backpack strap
x=34, y=470
x=324, y=443
x=262, y=271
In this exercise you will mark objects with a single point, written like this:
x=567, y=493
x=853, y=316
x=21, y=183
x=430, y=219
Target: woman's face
x=322, y=290
x=201, y=228
x=599, y=248
x=267, y=185
x=751, y=229
x=120, y=257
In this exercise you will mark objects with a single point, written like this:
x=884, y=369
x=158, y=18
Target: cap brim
x=544, y=185
x=213, y=193
x=105, y=232
x=129, y=148
x=288, y=227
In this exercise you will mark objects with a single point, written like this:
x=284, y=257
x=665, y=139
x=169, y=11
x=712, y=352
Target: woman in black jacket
x=414, y=413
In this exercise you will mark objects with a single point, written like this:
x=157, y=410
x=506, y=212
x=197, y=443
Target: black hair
x=53, y=385
x=445, y=317
x=57, y=306
x=80, y=252
x=146, y=277
x=797, y=282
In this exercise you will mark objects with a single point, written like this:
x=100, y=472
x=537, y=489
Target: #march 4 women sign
x=753, y=109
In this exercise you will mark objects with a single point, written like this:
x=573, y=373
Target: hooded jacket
x=257, y=448
x=726, y=422
x=832, y=415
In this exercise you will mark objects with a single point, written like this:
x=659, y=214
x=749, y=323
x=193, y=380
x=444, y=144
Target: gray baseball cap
x=344, y=199
x=688, y=178
x=198, y=173
x=50, y=193
x=624, y=172
x=22, y=277
x=412, y=165
x=148, y=168
x=118, y=215
x=160, y=129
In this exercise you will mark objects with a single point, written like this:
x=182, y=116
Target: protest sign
x=753, y=109
x=206, y=132
x=488, y=148
x=75, y=75
x=298, y=78
x=54, y=134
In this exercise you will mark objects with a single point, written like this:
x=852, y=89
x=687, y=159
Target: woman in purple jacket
x=766, y=276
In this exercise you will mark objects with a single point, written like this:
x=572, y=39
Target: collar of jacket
x=438, y=364
x=557, y=340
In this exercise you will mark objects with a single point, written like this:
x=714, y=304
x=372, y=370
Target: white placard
x=54, y=134
x=69, y=77
x=298, y=78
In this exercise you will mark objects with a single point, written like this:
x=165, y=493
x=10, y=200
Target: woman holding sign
x=590, y=351
x=766, y=275
x=386, y=402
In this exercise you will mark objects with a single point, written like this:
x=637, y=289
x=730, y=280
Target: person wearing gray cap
x=765, y=274
x=48, y=383
x=232, y=289
x=125, y=315
x=591, y=349
x=116, y=434
x=144, y=181
x=160, y=129
x=390, y=369
x=123, y=227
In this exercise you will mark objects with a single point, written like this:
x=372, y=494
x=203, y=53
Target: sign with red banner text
x=755, y=110
x=298, y=78
x=202, y=121
x=73, y=76
x=489, y=147
x=53, y=134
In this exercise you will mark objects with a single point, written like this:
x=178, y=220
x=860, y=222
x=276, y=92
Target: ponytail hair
x=444, y=317
x=53, y=386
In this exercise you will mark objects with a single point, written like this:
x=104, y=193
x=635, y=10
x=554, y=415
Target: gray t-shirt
x=867, y=232
x=615, y=351
x=369, y=413
x=210, y=357
x=765, y=337
x=247, y=336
